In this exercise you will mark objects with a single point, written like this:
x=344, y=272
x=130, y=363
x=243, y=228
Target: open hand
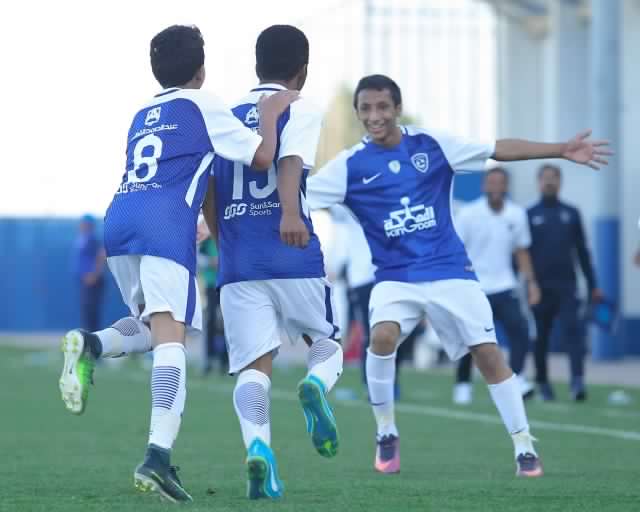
x=587, y=152
x=277, y=103
x=293, y=231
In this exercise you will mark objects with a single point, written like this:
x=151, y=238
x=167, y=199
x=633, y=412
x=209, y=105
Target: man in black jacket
x=557, y=239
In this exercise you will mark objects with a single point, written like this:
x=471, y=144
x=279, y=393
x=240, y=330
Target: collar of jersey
x=167, y=91
x=269, y=87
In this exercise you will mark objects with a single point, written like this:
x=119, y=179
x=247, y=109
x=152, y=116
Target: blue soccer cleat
x=262, y=472
x=321, y=423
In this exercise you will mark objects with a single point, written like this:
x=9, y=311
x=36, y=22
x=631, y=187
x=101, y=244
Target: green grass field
x=453, y=459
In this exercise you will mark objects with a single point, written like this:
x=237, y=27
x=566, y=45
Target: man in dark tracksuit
x=89, y=258
x=557, y=239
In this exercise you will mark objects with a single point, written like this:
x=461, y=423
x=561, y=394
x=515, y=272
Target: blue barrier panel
x=38, y=289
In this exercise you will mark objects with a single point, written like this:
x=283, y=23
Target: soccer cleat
x=262, y=472
x=321, y=423
x=528, y=464
x=79, y=348
x=151, y=476
x=546, y=392
x=388, y=454
x=462, y=393
x=578, y=391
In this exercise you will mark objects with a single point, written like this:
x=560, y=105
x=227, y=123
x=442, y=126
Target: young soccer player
x=398, y=183
x=271, y=269
x=150, y=238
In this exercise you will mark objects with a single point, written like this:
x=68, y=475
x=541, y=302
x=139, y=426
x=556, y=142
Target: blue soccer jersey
x=170, y=149
x=402, y=198
x=248, y=207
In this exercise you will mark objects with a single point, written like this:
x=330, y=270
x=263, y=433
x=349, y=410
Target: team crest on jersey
x=394, y=166
x=252, y=116
x=420, y=161
x=409, y=219
x=153, y=116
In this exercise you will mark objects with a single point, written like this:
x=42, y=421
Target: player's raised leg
x=381, y=370
x=325, y=367
x=168, y=396
x=81, y=350
x=505, y=392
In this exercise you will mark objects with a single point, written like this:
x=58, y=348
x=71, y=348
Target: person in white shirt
x=494, y=230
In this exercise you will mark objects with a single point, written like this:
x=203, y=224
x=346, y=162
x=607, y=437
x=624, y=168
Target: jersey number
x=255, y=191
x=151, y=161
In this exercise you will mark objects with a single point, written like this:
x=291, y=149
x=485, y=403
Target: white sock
x=127, y=336
x=168, y=393
x=508, y=399
x=381, y=374
x=251, y=402
x=325, y=362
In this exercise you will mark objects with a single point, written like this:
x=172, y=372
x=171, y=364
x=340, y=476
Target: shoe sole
x=320, y=422
x=146, y=484
x=257, y=478
x=530, y=474
x=70, y=386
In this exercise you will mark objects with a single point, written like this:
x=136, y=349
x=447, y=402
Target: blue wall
x=38, y=291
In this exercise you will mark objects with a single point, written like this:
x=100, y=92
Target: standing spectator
x=89, y=262
x=216, y=347
x=494, y=230
x=557, y=240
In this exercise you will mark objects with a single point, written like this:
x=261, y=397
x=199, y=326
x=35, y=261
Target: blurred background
x=535, y=69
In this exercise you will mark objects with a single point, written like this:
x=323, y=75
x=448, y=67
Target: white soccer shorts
x=161, y=285
x=457, y=309
x=256, y=313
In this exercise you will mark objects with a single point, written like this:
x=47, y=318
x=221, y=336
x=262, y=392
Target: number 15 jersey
x=170, y=149
x=248, y=205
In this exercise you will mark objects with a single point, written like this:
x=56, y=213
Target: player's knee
x=384, y=338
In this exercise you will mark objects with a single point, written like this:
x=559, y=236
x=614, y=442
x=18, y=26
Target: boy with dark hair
x=271, y=269
x=398, y=184
x=150, y=238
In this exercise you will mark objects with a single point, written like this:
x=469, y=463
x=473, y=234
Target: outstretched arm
x=579, y=149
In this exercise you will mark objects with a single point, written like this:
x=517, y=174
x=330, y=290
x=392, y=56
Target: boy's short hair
x=177, y=53
x=378, y=83
x=281, y=52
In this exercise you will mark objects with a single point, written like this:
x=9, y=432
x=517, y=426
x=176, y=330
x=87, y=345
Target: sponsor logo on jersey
x=126, y=188
x=146, y=131
x=420, y=161
x=368, y=179
x=394, y=166
x=252, y=116
x=153, y=116
x=409, y=219
x=235, y=210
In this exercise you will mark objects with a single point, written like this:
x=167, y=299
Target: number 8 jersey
x=170, y=148
x=248, y=206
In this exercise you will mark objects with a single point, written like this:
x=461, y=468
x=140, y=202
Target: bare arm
x=209, y=212
x=579, y=150
x=270, y=109
x=293, y=230
x=523, y=261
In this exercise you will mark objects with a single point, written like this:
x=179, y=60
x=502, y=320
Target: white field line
x=443, y=412
x=422, y=410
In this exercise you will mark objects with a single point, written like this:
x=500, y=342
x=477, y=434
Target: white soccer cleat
x=462, y=393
